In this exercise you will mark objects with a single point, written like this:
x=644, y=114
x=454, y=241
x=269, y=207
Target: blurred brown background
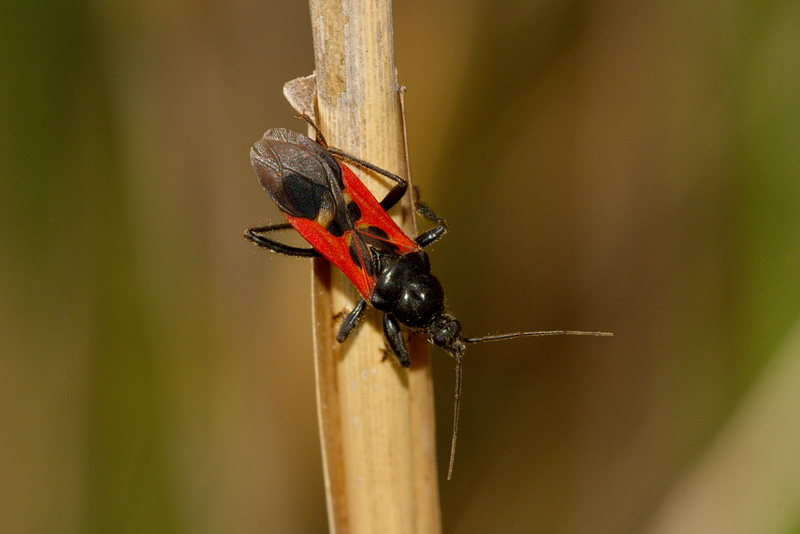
x=624, y=166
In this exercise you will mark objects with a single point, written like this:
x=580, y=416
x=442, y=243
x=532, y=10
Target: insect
x=333, y=210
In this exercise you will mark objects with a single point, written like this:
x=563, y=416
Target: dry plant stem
x=376, y=419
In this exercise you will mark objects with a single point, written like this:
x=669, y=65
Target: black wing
x=301, y=177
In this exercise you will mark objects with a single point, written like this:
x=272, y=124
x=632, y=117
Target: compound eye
x=445, y=331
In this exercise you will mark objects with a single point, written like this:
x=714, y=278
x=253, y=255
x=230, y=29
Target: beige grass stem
x=376, y=419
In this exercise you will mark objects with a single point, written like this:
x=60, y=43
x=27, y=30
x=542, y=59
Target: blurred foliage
x=628, y=167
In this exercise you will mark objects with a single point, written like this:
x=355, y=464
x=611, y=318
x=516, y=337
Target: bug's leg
x=393, y=334
x=320, y=137
x=393, y=196
x=434, y=234
x=256, y=236
x=351, y=320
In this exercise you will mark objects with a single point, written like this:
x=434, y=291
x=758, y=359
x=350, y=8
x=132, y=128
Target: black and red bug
x=333, y=210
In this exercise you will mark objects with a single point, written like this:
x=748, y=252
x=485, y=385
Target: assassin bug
x=333, y=210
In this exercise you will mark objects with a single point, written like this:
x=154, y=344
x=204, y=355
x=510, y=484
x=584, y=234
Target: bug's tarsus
x=320, y=138
x=393, y=196
x=434, y=234
x=256, y=236
x=423, y=210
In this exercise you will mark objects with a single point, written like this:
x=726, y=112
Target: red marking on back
x=335, y=250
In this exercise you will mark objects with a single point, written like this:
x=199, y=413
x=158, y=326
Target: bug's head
x=445, y=332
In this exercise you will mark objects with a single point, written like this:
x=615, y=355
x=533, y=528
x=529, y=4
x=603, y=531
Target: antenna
x=514, y=335
x=499, y=337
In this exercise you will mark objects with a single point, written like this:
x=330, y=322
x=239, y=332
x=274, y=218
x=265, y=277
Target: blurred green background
x=622, y=166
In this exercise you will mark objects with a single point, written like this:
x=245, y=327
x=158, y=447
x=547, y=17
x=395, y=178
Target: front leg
x=351, y=320
x=393, y=334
